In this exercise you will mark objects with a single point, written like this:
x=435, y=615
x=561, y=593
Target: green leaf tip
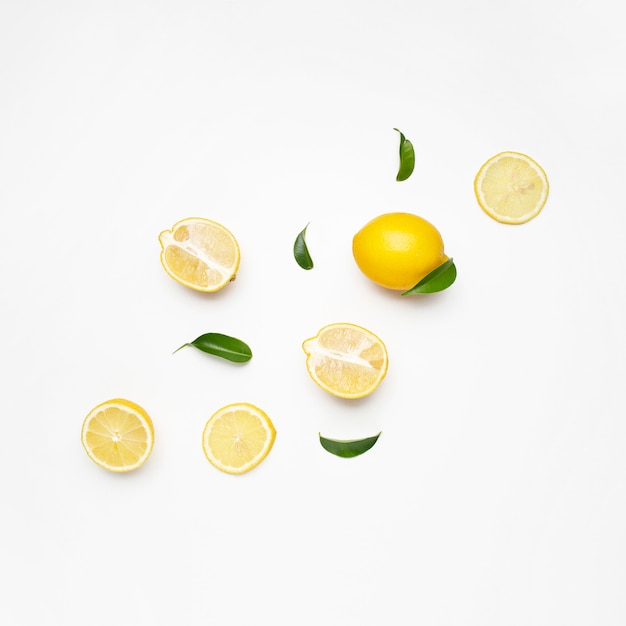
x=222, y=346
x=348, y=448
x=437, y=280
x=407, y=158
x=301, y=252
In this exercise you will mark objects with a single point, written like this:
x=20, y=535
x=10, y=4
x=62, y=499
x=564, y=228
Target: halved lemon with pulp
x=238, y=437
x=511, y=188
x=118, y=435
x=346, y=360
x=200, y=254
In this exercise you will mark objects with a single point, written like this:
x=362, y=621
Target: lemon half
x=200, y=254
x=346, y=360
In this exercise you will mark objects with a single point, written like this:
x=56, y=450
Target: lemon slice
x=511, y=188
x=200, y=254
x=238, y=437
x=346, y=360
x=118, y=435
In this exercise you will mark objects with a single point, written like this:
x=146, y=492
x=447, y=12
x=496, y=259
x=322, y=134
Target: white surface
x=496, y=492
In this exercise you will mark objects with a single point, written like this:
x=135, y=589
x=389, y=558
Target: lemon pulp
x=511, y=188
x=200, y=254
x=238, y=437
x=346, y=360
x=118, y=435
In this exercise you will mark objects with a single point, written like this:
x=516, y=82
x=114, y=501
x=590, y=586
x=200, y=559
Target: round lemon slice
x=346, y=360
x=200, y=254
x=118, y=435
x=238, y=437
x=511, y=188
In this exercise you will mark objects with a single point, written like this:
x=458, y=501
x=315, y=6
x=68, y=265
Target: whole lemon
x=396, y=250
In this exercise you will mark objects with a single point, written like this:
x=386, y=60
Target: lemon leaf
x=348, y=448
x=407, y=158
x=223, y=346
x=301, y=252
x=438, y=280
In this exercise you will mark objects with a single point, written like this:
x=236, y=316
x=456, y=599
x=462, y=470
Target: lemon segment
x=238, y=437
x=346, y=360
x=118, y=435
x=396, y=250
x=511, y=188
x=200, y=254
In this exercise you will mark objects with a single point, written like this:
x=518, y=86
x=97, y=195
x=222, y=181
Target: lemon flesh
x=238, y=437
x=200, y=254
x=118, y=435
x=511, y=188
x=346, y=360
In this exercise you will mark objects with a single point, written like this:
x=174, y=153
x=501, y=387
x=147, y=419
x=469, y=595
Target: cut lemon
x=118, y=435
x=200, y=254
x=346, y=360
x=511, y=188
x=238, y=437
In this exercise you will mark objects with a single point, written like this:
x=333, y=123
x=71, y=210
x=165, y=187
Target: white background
x=496, y=492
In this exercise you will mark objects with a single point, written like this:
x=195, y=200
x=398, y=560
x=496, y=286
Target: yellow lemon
x=396, y=250
x=346, y=360
x=118, y=435
x=200, y=254
x=511, y=188
x=238, y=437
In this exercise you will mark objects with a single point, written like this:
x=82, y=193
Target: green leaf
x=223, y=346
x=301, y=252
x=407, y=158
x=348, y=448
x=438, y=280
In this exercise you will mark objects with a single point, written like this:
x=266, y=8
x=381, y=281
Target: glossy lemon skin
x=396, y=250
